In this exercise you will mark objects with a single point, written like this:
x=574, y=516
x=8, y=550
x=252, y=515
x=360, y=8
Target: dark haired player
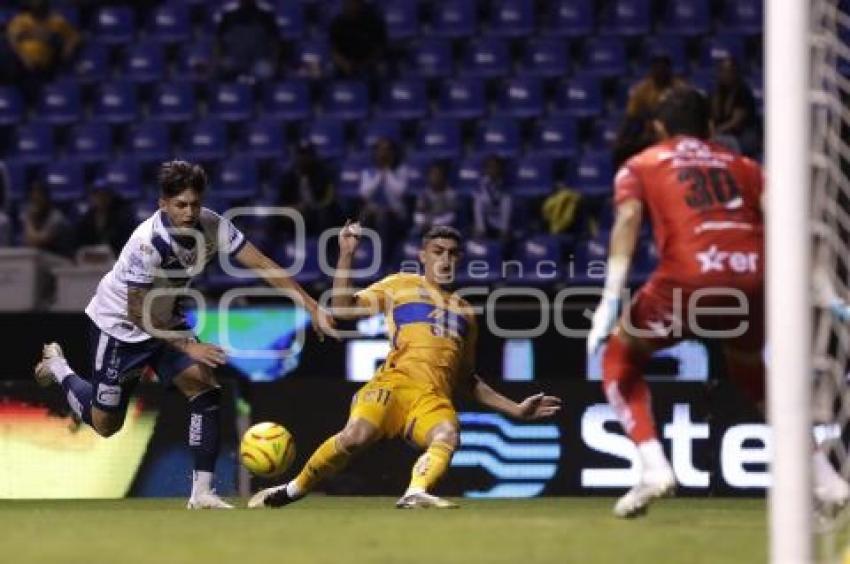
x=433, y=334
x=136, y=324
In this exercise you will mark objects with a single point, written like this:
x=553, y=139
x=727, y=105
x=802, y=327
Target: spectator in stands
x=41, y=41
x=733, y=111
x=44, y=226
x=5, y=223
x=358, y=37
x=636, y=132
x=383, y=188
x=308, y=188
x=437, y=204
x=109, y=219
x=249, y=42
x=492, y=204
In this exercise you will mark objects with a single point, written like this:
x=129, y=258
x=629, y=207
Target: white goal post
x=788, y=276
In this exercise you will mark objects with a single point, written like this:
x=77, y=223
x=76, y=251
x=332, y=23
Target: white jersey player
x=136, y=322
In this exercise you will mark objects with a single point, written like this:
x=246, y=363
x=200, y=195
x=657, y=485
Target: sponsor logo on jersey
x=715, y=260
x=109, y=396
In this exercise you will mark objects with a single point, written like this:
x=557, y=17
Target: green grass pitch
x=369, y=530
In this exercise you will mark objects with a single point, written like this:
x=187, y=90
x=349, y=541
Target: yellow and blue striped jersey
x=433, y=332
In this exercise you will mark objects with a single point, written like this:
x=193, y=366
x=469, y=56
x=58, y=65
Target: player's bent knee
x=447, y=435
x=195, y=380
x=357, y=435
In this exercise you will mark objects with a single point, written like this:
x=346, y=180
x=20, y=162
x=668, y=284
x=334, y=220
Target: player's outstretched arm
x=344, y=304
x=275, y=276
x=624, y=238
x=533, y=407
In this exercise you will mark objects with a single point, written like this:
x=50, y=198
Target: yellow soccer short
x=401, y=406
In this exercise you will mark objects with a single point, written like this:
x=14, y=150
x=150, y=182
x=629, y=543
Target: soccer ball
x=267, y=449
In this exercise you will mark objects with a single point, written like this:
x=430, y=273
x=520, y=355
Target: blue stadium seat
x=349, y=174
x=604, y=56
x=90, y=142
x=454, y=19
x=417, y=170
x=605, y=132
x=686, y=17
x=587, y=253
x=461, y=98
x=287, y=99
x=430, y=58
x=115, y=24
x=68, y=11
x=402, y=19
x=170, y=23
x=512, y=18
x=540, y=261
x=570, y=18
x=149, y=142
x=520, y=97
x=627, y=17
x=533, y=176
x=116, y=102
x=379, y=128
x=580, y=96
x=486, y=57
x=59, y=103
x=498, y=136
x=328, y=135
x=196, y=60
x=719, y=47
x=594, y=174
x=17, y=176
x=263, y=139
x=310, y=272
x=314, y=54
x=488, y=256
x=744, y=17
x=469, y=173
x=33, y=143
x=173, y=102
x=11, y=106
x=671, y=46
x=556, y=137
x=404, y=99
x=231, y=101
x=345, y=99
x=290, y=19
x=546, y=57
x=439, y=138
x=65, y=180
x=237, y=178
x=92, y=62
x=124, y=175
x=365, y=258
x=644, y=263
x=144, y=62
x=205, y=140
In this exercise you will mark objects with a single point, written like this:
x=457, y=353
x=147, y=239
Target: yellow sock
x=430, y=467
x=328, y=459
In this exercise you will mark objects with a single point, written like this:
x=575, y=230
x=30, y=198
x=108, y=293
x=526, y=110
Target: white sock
x=201, y=482
x=59, y=367
x=652, y=457
x=293, y=491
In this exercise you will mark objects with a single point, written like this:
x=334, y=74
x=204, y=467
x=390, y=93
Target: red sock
x=626, y=390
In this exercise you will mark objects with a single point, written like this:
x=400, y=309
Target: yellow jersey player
x=433, y=334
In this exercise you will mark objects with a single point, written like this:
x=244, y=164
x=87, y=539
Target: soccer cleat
x=207, y=500
x=271, y=497
x=651, y=486
x=424, y=500
x=43, y=374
